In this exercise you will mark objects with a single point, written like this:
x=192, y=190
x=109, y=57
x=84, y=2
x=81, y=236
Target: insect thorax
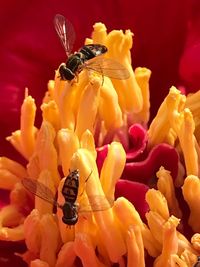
x=74, y=61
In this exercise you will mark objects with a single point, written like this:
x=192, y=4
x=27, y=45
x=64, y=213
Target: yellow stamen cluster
x=175, y=122
x=174, y=249
x=72, y=111
x=77, y=116
x=191, y=190
x=192, y=102
x=11, y=216
x=166, y=187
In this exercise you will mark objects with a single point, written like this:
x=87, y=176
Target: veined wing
x=65, y=31
x=40, y=190
x=94, y=203
x=108, y=67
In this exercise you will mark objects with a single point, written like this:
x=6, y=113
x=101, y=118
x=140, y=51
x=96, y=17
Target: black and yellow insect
x=87, y=57
x=70, y=208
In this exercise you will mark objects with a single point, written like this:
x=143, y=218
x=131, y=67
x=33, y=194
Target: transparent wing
x=65, y=31
x=108, y=67
x=40, y=190
x=94, y=203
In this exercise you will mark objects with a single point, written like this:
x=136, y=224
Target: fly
x=70, y=208
x=86, y=57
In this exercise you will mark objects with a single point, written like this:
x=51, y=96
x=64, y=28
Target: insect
x=70, y=193
x=197, y=264
x=86, y=57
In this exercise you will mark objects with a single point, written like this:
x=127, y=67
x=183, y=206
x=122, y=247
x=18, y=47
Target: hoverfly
x=197, y=264
x=86, y=57
x=70, y=192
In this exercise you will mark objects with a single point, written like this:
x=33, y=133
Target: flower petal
x=161, y=155
x=135, y=193
x=138, y=140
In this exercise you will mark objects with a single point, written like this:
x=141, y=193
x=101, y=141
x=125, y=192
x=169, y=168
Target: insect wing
x=40, y=190
x=94, y=203
x=65, y=31
x=108, y=67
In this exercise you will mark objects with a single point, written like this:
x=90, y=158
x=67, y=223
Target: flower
x=65, y=139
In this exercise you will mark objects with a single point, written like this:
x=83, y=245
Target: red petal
x=135, y=193
x=7, y=256
x=161, y=155
x=138, y=141
x=189, y=67
x=101, y=155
